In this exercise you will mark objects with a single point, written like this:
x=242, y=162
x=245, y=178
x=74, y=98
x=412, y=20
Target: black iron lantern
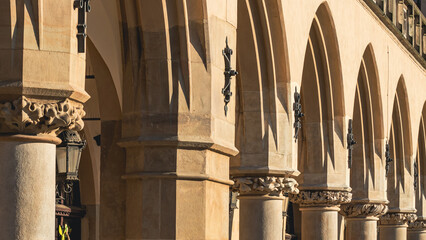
x=68, y=155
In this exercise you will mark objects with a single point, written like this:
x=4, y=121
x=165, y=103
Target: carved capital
x=417, y=225
x=31, y=117
x=359, y=210
x=270, y=185
x=397, y=218
x=313, y=198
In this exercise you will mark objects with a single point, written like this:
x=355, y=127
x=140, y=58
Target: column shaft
x=261, y=218
x=393, y=232
x=27, y=190
x=361, y=228
x=393, y=225
x=319, y=223
x=320, y=212
x=417, y=229
x=416, y=234
x=361, y=219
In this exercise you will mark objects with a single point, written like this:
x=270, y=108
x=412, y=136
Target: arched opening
x=262, y=89
x=367, y=174
x=321, y=144
x=400, y=188
x=420, y=172
x=102, y=129
x=263, y=109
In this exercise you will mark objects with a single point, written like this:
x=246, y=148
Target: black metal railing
x=406, y=21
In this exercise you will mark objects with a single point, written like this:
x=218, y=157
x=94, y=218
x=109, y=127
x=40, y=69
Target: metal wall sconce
x=68, y=155
x=229, y=72
x=83, y=8
x=351, y=142
x=388, y=158
x=297, y=109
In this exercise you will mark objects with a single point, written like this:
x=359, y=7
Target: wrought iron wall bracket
x=416, y=175
x=351, y=142
x=388, y=158
x=83, y=7
x=297, y=109
x=229, y=73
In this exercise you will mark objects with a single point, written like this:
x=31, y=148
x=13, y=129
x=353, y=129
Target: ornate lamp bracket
x=83, y=7
x=297, y=109
x=229, y=72
x=388, y=158
x=351, y=142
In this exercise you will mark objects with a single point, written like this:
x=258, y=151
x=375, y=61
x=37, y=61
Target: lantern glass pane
x=74, y=157
x=61, y=159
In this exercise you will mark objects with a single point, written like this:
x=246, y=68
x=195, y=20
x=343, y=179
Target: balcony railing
x=406, y=21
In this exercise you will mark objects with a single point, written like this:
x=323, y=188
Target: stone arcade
x=180, y=146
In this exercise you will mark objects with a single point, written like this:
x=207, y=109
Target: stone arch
x=400, y=189
x=263, y=124
x=102, y=131
x=421, y=170
x=367, y=171
x=323, y=103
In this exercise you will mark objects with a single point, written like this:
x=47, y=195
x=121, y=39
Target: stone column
x=261, y=205
x=27, y=172
x=417, y=230
x=320, y=212
x=361, y=219
x=393, y=225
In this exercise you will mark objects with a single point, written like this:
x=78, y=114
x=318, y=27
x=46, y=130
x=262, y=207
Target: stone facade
x=217, y=119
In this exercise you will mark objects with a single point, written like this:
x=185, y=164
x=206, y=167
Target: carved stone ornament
x=417, y=225
x=308, y=198
x=25, y=116
x=397, y=218
x=355, y=210
x=271, y=185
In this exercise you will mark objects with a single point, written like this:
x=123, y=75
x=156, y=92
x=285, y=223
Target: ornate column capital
x=417, y=225
x=326, y=198
x=362, y=210
x=397, y=218
x=265, y=185
x=40, y=117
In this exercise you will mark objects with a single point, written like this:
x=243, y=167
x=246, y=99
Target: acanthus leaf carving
x=25, y=116
x=417, y=225
x=355, y=210
x=272, y=185
x=307, y=198
x=397, y=218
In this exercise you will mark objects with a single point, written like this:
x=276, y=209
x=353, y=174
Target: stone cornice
x=417, y=225
x=397, y=218
x=359, y=210
x=314, y=198
x=31, y=117
x=270, y=185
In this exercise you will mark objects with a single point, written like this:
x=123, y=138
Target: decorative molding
x=270, y=185
x=355, y=210
x=397, y=218
x=26, y=116
x=417, y=225
x=308, y=198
